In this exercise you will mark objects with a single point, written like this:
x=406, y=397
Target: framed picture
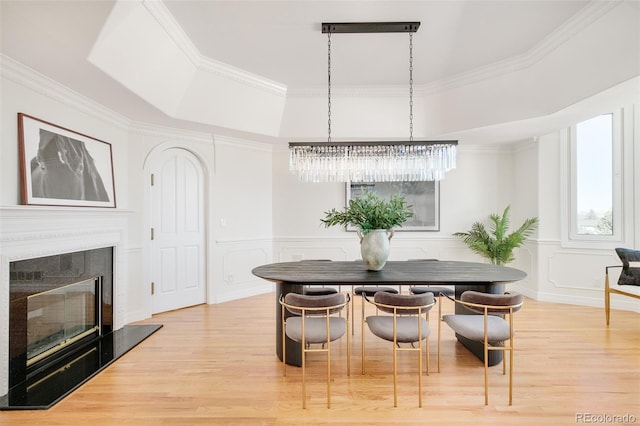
x=60, y=167
x=423, y=196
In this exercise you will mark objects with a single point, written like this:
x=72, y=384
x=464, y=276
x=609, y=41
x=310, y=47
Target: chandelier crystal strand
x=412, y=161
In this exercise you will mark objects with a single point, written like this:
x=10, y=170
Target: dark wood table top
x=309, y=272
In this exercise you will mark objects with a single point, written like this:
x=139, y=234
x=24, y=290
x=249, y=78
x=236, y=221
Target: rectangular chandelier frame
x=372, y=161
x=369, y=27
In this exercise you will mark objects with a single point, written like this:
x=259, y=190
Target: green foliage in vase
x=495, y=244
x=369, y=212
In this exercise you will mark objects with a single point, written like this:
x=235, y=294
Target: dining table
x=297, y=276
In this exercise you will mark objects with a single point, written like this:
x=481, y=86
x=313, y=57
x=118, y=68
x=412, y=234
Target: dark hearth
x=60, y=379
x=61, y=326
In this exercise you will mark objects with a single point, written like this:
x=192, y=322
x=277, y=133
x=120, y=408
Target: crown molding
x=581, y=20
x=173, y=133
x=161, y=14
x=23, y=75
x=242, y=143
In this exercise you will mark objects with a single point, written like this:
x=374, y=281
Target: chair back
x=404, y=304
x=630, y=274
x=493, y=303
x=299, y=304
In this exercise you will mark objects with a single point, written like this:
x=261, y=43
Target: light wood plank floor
x=217, y=365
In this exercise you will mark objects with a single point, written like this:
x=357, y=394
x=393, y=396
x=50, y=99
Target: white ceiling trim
x=242, y=143
x=585, y=17
x=161, y=14
x=171, y=133
x=39, y=83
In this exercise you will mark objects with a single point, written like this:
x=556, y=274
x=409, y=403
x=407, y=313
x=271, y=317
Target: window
x=593, y=148
x=595, y=180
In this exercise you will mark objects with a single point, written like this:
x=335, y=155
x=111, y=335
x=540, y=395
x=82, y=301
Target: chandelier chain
x=410, y=86
x=329, y=85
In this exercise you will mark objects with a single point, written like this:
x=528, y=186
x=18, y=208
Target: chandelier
x=372, y=161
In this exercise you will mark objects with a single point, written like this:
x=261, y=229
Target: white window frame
x=622, y=208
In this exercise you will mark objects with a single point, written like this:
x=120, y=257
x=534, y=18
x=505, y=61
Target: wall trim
x=165, y=19
x=28, y=77
x=585, y=17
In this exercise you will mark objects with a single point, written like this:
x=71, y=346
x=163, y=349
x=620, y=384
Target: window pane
x=594, y=176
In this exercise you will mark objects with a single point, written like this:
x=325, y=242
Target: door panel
x=178, y=247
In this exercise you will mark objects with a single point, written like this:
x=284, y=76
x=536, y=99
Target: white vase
x=374, y=248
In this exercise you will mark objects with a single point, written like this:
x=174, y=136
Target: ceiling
x=283, y=40
x=459, y=44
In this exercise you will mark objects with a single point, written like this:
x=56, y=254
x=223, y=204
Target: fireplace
x=57, y=305
x=60, y=318
x=63, y=288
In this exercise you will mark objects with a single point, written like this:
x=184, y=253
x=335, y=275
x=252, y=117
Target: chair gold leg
x=362, y=335
x=486, y=362
x=328, y=372
x=395, y=376
x=352, y=312
x=439, y=327
x=420, y=372
x=607, y=299
x=348, y=347
x=510, y=372
x=304, y=381
x=284, y=345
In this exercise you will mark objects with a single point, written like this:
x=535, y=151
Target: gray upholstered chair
x=368, y=291
x=629, y=276
x=315, y=321
x=319, y=291
x=403, y=319
x=486, y=323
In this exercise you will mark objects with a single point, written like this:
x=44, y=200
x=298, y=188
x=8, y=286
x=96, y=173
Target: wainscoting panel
x=234, y=261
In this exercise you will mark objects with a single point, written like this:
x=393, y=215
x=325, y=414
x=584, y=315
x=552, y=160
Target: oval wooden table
x=293, y=277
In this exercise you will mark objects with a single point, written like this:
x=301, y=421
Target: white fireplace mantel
x=35, y=231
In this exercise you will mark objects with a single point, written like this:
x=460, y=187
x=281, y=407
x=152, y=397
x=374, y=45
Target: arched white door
x=178, y=231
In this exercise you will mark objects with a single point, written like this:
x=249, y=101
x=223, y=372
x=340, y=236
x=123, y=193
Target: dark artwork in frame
x=424, y=196
x=60, y=167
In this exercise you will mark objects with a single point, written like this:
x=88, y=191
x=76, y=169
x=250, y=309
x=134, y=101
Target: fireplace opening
x=60, y=318
x=61, y=326
x=58, y=304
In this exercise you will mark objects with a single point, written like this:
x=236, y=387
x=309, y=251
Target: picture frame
x=61, y=167
x=424, y=196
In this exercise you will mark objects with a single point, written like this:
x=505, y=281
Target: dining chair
x=314, y=320
x=629, y=276
x=403, y=320
x=370, y=292
x=486, y=323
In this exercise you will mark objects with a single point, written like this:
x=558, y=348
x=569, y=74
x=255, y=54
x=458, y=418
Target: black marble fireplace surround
x=46, y=382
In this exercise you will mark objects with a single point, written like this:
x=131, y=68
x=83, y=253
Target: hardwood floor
x=216, y=364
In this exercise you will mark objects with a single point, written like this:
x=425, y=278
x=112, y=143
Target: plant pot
x=374, y=248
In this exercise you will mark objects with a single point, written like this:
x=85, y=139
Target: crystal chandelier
x=372, y=161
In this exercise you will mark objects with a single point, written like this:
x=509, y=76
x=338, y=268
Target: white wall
x=259, y=213
x=483, y=183
x=239, y=185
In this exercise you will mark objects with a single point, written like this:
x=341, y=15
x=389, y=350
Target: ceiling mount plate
x=370, y=27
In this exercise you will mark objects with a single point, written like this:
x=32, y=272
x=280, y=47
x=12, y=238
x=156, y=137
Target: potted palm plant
x=496, y=244
x=374, y=219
